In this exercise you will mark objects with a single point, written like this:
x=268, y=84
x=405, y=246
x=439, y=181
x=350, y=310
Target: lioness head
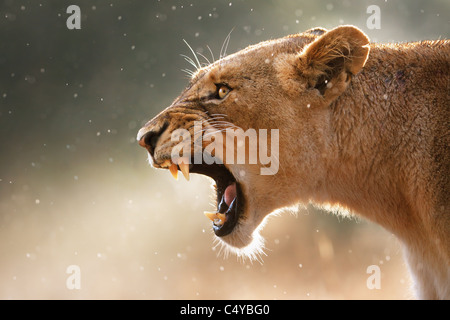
x=286, y=84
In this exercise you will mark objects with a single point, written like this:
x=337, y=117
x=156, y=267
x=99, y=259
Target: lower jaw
x=232, y=212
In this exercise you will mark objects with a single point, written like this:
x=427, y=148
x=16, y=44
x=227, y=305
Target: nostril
x=149, y=139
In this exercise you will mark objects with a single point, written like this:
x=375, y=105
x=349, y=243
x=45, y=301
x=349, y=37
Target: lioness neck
x=386, y=144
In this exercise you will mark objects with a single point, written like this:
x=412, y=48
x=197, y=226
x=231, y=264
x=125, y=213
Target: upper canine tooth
x=184, y=167
x=174, y=170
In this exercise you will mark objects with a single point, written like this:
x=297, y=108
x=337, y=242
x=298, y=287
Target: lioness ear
x=330, y=60
x=316, y=31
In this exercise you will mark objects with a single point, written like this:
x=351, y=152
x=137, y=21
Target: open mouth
x=230, y=199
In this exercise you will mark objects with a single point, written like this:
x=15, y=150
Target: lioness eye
x=222, y=91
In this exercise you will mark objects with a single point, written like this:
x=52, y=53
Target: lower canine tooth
x=222, y=217
x=216, y=217
x=211, y=215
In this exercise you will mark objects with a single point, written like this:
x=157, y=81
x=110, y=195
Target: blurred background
x=76, y=189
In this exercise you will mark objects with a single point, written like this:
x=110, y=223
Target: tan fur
x=364, y=126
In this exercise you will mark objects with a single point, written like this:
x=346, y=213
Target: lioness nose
x=148, y=138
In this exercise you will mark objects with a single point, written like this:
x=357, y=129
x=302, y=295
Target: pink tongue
x=230, y=194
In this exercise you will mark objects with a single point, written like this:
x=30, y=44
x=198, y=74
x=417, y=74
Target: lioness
x=363, y=126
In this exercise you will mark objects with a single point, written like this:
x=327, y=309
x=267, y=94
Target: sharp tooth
x=210, y=215
x=216, y=217
x=222, y=217
x=174, y=170
x=166, y=163
x=184, y=167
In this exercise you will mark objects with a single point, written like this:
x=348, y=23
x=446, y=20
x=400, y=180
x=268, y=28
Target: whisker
x=190, y=61
x=219, y=114
x=204, y=58
x=223, y=50
x=220, y=122
x=212, y=55
x=195, y=55
x=189, y=72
